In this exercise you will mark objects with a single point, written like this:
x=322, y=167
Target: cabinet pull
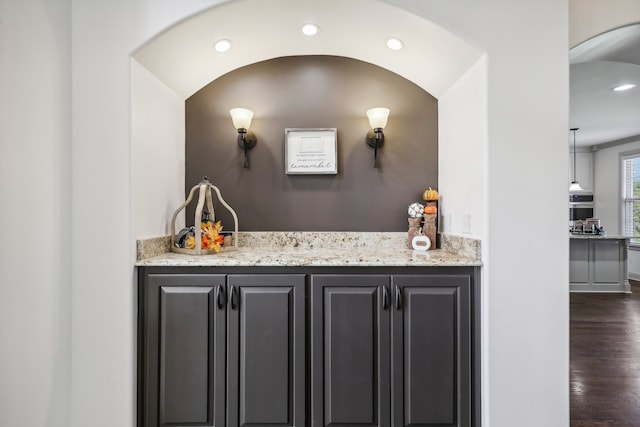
x=398, y=298
x=385, y=298
x=232, y=297
x=220, y=296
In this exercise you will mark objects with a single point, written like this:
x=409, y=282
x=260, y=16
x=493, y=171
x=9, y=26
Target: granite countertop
x=598, y=236
x=319, y=250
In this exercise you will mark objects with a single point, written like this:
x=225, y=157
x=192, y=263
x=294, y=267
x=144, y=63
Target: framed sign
x=310, y=151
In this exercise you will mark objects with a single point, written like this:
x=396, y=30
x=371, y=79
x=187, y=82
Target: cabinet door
x=350, y=350
x=431, y=346
x=266, y=350
x=608, y=261
x=579, y=261
x=184, y=350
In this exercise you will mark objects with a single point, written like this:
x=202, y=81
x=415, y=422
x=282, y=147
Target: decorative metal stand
x=204, y=196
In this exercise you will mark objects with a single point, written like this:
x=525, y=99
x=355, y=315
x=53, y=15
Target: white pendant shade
x=241, y=117
x=378, y=117
x=575, y=186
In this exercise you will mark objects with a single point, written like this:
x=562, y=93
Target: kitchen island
x=598, y=263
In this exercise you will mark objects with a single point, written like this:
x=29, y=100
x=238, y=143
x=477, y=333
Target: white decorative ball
x=415, y=210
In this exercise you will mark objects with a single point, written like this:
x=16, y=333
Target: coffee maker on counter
x=587, y=226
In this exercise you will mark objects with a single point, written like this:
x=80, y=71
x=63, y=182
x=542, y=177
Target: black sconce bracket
x=246, y=140
x=375, y=139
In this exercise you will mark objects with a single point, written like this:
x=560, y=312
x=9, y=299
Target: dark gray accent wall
x=313, y=92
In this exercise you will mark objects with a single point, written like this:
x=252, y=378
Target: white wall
x=158, y=129
x=35, y=189
x=104, y=34
x=462, y=153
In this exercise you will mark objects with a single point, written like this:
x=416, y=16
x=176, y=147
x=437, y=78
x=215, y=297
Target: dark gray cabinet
x=391, y=350
x=222, y=350
x=431, y=351
x=350, y=358
x=308, y=347
x=184, y=360
x=266, y=350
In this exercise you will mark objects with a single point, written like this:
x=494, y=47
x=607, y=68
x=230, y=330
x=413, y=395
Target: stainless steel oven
x=580, y=206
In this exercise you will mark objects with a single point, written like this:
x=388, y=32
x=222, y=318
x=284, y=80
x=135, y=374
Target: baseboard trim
x=634, y=276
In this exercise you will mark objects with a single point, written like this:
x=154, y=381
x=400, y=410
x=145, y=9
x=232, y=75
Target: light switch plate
x=448, y=222
x=466, y=222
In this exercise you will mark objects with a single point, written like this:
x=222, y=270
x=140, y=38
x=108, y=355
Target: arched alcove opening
x=181, y=60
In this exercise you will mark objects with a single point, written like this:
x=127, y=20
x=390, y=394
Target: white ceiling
x=598, y=65
x=184, y=59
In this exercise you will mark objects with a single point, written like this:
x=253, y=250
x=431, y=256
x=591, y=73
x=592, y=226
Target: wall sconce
x=246, y=139
x=378, y=120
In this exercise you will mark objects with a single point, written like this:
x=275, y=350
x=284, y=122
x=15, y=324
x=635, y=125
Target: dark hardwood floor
x=605, y=359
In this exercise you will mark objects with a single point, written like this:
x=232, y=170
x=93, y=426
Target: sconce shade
x=378, y=117
x=246, y=139
x=241, y=117
x=375, y=139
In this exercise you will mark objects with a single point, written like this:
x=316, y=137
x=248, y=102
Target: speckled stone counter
x=598, y=236
x=320, y=249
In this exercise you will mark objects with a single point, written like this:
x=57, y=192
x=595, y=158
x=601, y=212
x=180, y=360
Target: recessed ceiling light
x=625, y=86
x=310, y=29
x=394, y=43
x=222, y=45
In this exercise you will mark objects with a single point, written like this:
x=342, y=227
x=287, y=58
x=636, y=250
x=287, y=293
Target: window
x=631, y=197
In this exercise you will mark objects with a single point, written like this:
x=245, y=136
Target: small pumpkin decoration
x=430, y=194
x=430, y=209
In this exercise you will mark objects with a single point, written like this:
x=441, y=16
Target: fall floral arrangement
x=210, y=236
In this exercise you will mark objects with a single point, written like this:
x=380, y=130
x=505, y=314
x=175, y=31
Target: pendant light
x=575, y=186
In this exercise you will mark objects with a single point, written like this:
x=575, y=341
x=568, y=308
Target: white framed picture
x=310, y=151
